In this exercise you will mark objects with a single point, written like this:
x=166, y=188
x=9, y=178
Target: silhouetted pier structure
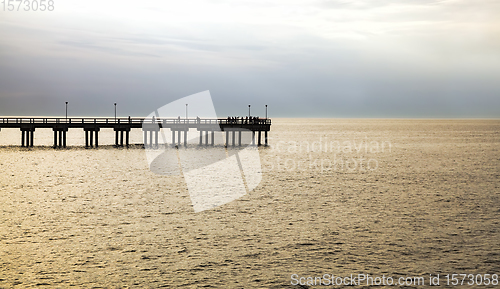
x=150, y=128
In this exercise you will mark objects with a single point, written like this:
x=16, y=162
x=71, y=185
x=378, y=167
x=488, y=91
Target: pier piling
x=122, y=130
x=60, y=136
x=27, y=137
x=89, y=137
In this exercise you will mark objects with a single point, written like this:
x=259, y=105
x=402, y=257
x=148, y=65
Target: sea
x=339, y=201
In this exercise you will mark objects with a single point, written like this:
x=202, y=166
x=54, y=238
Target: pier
x=150, y=127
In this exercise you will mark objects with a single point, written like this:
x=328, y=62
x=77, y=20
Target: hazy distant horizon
x=263, y=116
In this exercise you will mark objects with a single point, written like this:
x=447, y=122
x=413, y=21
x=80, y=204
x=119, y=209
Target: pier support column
x=239, y=138
x=213, y=138
x=147, y=130
x=121, y=130
x=206, y=137
x=227, y=137
x=89, y=136
x=173, y=138
x=127, y=134
x=234, y=137
x=185, y=138
x=265, y=138
x=179, y=137
x=201, y=137
x=60, y=136
x=253, y=137
x=27, y=137
x=259, y=138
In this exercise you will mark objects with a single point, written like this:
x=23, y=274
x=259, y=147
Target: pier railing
x=130, y=120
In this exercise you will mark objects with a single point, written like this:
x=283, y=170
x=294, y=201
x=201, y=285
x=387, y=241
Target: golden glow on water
x=101, y=218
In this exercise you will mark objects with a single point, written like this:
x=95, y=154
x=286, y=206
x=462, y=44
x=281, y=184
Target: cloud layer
x=328, y=58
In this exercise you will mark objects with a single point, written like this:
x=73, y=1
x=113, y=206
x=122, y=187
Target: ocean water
x=397, y=198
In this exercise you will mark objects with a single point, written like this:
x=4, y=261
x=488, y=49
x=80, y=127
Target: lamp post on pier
x=186, y=110
x=66, y=111
x=266, y=111
x=115, y=111
x=249, y=111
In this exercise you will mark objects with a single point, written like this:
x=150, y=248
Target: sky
x=318, y=58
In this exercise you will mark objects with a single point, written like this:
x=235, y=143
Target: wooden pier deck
x=150, y=127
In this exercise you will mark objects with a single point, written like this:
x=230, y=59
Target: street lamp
x=249, y=111
x=266, y=111
x=186, y=110
x=66, y=111
x=115, y=111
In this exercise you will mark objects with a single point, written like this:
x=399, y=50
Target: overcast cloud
x=324, y=58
